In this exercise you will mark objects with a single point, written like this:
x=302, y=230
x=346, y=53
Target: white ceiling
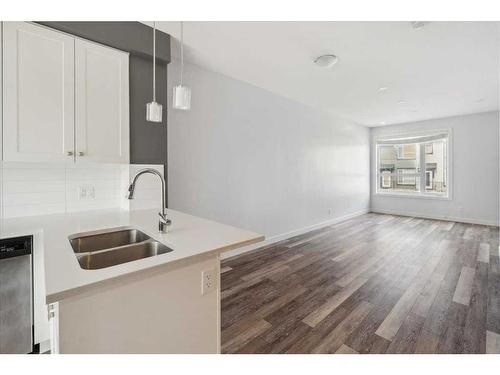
x=443, y=69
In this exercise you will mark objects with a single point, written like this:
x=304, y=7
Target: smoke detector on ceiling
x=418, y=24
x=326, y=61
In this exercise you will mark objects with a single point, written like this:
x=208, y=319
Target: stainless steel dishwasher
x=16, y=295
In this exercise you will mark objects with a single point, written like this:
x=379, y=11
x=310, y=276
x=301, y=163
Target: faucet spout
x=131, y=190
x=164, y=222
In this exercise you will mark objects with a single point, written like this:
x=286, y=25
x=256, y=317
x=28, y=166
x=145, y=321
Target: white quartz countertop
x=188, y=236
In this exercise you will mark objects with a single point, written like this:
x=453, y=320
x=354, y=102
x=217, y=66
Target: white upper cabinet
x=102, y=103
x=38, y=95
x=65, y=99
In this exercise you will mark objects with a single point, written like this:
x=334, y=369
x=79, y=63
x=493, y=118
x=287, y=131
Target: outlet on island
x=208, y=281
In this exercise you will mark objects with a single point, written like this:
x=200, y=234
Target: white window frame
x=422, y=193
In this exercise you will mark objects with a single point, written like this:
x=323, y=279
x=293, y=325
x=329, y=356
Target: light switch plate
x=208, y=281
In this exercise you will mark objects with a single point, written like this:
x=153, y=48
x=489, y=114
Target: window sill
x=417, y=195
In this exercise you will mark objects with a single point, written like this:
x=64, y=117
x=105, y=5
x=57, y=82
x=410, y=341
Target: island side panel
x=162, y=311
x=219, y=306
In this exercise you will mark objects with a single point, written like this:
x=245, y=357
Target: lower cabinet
x=160, y=310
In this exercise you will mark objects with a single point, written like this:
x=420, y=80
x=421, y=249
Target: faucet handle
x=165, y=219
x=163, y=223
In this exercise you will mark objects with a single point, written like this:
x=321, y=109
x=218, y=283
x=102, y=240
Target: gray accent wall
x=148, y=141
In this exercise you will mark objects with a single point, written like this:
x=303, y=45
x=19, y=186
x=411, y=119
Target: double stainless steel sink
x=106, y=248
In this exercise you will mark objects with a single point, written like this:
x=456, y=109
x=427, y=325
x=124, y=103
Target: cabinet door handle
x=81, y=153
x=70, y=153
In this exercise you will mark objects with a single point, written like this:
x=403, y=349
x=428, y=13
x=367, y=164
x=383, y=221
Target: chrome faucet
x=164, y=221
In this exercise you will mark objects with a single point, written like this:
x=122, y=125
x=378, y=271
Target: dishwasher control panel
x=16, y=246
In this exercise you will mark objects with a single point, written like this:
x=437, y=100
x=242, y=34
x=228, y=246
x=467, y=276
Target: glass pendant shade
x=154, y=112
x=182, y=97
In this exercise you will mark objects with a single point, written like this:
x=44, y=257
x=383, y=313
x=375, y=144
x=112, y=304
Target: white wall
x=247, y=157
x=474, y=171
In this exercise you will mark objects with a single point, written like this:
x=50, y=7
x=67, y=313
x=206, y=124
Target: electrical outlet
x=208, y=281
x=90, y=192
x=86, y=192
x=82, y=192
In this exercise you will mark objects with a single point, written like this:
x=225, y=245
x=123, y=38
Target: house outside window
x=415, y=165
x=386, y=180
x=411, y=180
x=406, y=152
x=429, y=176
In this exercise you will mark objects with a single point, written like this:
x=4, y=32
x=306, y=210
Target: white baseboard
x=436, y=217
x=280, y=237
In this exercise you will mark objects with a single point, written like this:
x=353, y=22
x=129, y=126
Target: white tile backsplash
x=33, y=198
x=44, y=188
x=33, y=209
x=12, y=187
x=34, y=175
x=32, y=189
x=97, y=172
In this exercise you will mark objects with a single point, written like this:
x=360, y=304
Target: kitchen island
x=151, y=305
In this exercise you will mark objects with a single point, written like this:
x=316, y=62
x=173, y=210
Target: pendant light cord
x=154, y=61
x=182, y=50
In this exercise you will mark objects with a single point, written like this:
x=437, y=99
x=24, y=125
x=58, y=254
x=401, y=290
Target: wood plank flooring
x=372, y=284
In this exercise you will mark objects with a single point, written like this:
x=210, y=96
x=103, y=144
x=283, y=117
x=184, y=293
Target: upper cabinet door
x=102, y=103
x=38, y=95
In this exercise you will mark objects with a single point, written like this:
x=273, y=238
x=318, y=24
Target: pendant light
x=182, y=94
x=153, y=109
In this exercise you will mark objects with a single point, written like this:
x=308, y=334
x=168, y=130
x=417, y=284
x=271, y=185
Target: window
x=436, y=167
x=407, y=151
x=429, y=148
x=416, y=165
x=428, y=179
x=386, y=180
x=410, y=179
